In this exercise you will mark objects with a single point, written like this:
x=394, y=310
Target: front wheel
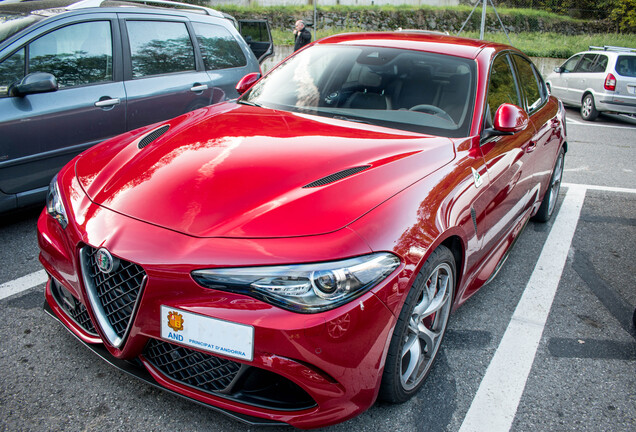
x=588, y=109
x=550, y=198
x=420, y=328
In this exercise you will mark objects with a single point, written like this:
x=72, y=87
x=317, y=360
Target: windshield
x=10, y=24
x=396, y=88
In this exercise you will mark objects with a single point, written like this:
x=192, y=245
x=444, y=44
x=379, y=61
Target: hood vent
x=153, y=136
x=336, y=176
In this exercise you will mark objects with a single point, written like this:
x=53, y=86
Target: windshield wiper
x=340, y=117
x=244, y=102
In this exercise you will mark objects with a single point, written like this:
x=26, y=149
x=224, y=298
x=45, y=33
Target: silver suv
x=600, y=80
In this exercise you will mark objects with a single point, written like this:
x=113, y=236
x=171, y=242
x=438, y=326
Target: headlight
x=54, y=205
x=307, y=288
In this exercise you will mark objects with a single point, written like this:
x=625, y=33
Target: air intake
x=337, y=176
x=153, y=136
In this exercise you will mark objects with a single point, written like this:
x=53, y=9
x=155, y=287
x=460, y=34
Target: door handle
x=199, y=87
x=105, y=103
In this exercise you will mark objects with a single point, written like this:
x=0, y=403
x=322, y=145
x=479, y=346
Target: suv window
x=626, y=66
x=11, y=70
x=77, y=54
x=159, y=47
x=599, y=64
x=501, y=89
x=585, y=65
x=569, y=65
x=529, y=84
x=218, y=47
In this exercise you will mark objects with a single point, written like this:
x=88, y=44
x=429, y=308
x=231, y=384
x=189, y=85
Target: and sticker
x=207, y=334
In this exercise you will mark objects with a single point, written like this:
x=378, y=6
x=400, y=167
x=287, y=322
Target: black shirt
x=302, y=38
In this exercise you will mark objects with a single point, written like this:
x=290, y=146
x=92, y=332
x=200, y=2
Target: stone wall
x=449, y=20
x=267, y=3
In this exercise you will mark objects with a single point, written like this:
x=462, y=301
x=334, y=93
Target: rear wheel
x=550, y=198
x=588, y=109
x=420, y=328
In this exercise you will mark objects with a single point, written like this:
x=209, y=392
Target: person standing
x=302, y=36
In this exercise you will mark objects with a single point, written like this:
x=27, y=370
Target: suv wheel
x=588, y=109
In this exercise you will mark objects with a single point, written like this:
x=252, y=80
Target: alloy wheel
x=426, y=326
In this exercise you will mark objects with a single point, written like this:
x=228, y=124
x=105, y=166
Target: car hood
x=239, y=171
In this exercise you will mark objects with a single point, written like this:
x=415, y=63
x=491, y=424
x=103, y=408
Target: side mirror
x=508, y=120
x=247, y=81
x=558, y=69
x=36, y=82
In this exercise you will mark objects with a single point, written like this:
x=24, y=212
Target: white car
x=600, y=80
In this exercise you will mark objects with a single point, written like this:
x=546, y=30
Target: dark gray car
x=75, y=74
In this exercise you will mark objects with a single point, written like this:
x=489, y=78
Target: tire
x=420, y=328
x=588, y=109
x=548, y=204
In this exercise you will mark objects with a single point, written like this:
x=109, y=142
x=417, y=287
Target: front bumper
x=136, y=369
x=308, y=370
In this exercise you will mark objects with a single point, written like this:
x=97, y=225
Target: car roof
x=54, y=7
x=417, y=40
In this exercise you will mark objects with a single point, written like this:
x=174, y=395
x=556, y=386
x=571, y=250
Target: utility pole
x=484, y=4
x=483, y=19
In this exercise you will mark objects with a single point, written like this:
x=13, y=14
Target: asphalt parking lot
x=548, y=345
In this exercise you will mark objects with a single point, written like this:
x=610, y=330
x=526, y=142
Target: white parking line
x=582, y=123
x=495, y=404
x=600, y=188
x=24, y=283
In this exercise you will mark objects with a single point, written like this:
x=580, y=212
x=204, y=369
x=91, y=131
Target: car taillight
x=610, y=82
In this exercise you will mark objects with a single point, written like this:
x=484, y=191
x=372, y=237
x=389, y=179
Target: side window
x=159, y=47
x=600, y=64
x=218, y=47
x=569, y=65
x=529, y=84
x=626, y=66
x=78, y=54
x=586, y=63
x=254, y=31
x=11, y=70
x=501, y=88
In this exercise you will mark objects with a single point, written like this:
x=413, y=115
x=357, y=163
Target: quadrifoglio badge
x=207, y=334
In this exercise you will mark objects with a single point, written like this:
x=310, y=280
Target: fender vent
x=473, y=214
x=153, y=136
x=336, y=176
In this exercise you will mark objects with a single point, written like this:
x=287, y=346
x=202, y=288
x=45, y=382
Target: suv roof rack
x=612, y=48
x=161, y=3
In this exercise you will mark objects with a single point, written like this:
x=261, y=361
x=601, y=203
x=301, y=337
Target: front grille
x=73, y=307
x=80, y=316
x=203, y=371
x=116, y=292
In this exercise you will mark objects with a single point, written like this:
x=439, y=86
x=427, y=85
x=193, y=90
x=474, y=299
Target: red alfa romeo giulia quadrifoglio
x=295, y=254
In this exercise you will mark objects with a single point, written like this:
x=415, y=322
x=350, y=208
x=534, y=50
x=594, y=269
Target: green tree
x=624, y=15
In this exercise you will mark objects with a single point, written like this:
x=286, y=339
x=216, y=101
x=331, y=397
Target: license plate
x=631, y=89
x=207, y=334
